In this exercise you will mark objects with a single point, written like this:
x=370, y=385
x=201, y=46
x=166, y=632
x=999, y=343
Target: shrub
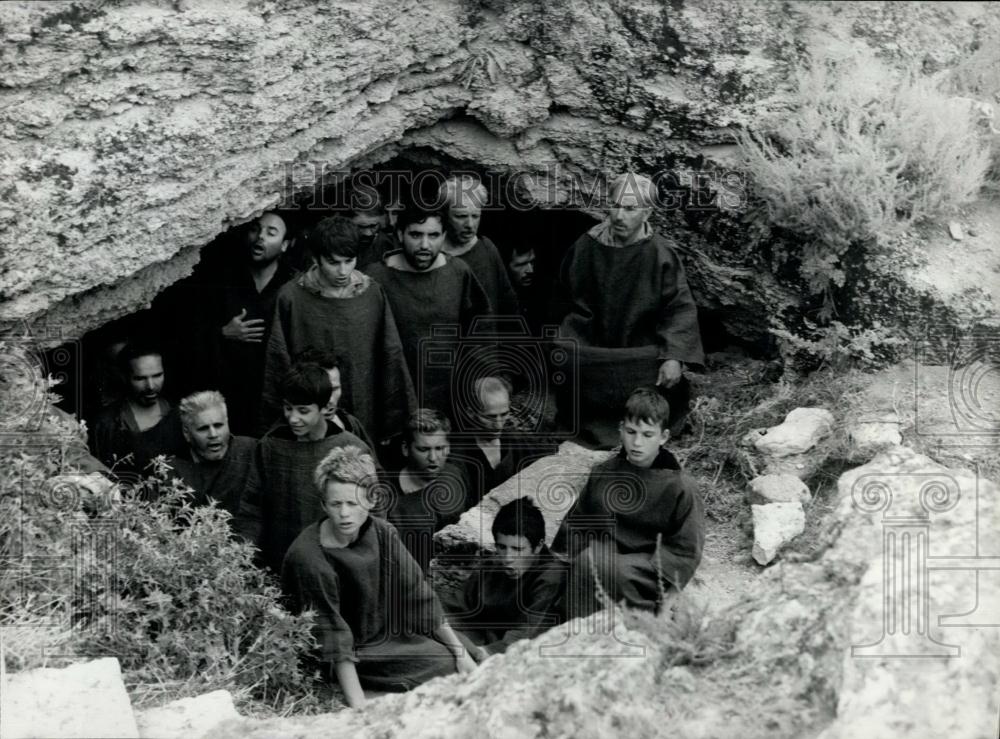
x=860, y=154
x=162, y=586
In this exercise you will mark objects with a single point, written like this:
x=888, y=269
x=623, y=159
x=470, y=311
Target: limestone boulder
x=774, y=525
x=188, y=717
x=83, y=700
x=801, y=430
x=870, y=434
x=778, y=489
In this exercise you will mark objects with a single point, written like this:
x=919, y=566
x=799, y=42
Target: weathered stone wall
x=131, y=133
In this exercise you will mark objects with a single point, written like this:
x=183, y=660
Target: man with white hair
x=218, y=463
x=463, y=199
x=625, y=304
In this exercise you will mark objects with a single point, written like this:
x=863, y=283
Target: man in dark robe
x=429, y=493
x=520, y=262
x=278, y=502
x=370, y=218
x=638, y=527
x=127, y=435
x=464, y=199
x=628, y=315
x=378, y=624
x=217, y=465
x=236, y=295
x=490, y=451
x=434, y=299
x=337, y=309
x=518, y=593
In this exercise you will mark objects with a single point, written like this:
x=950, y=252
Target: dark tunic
x=517, y=451
x=627, y=310
x=115, y=435
x=280, y=499
x=223, y=481
x=627, y=508
x=382, y=245
x=439, y=304
x=352, y=424
x=418, y=514
x=361, y=330
x=372, y=606
x=487, y=265
x=497, y=610
x=235, y=368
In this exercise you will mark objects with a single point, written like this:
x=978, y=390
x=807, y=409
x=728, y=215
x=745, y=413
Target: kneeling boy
x=518, y=594
x=378, y=624
x=638, y=526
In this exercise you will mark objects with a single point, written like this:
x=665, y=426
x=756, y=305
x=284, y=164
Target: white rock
x=187, y=717
x=774, y=525
x=955, y=230
x=778, y=489
x=82, y=700
x=800, y=431
x=869, y=437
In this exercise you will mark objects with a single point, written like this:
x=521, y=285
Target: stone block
x=82, y=700
x=187, y=718
x=774, y=525
x=799, y=432
x=778, y=489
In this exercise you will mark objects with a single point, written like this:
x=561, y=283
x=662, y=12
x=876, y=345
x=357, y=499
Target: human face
x=463, y=223
x=427, y=453
x=267, y=239
x=208, y=434
x=338, y=390
x=516, y=553
x=522, y=269
x=628, y=216
x=422, y=243
x=642, y=441
x=146, y=379
x=306, y=421
x=346, y=505
x=369, y=224
x=492, y=417
x=335, y=270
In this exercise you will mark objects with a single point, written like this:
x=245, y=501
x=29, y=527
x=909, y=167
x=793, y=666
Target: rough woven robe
x=447, y=298
x=280, y=499
x=223, y=481
x=418, y=514
x=627, y=309
x=373, y=606
x=361, y=330
x=630, y=506
x=517, y=451
x=487, y=265
x=496, y=610
x=115, y=436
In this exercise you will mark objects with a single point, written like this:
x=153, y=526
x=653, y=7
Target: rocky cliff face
x=134, y=132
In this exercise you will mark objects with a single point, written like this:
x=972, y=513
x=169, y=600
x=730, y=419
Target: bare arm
x=347, y=676
x=445, y=635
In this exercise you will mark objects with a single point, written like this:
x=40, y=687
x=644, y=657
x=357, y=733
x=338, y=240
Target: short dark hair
x=413, y=213
x=520, y=517
x=516, y=248
x=134, y=349
x=335, y=236
x=323, y=357
x=426, y=421
x=306, y=383
x=647, y=404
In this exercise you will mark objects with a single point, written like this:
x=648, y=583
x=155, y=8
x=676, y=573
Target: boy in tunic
x=218, y=462
x=429, y=492
x=517, y=594
x=625, y=304
x=127, y=435
x=429, y=290
x=464, y=198
x=378, y=623
x=276, y=505
x=638, y=526
x=338, y=309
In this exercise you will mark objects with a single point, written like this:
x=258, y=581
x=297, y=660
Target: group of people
x=340, y=444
